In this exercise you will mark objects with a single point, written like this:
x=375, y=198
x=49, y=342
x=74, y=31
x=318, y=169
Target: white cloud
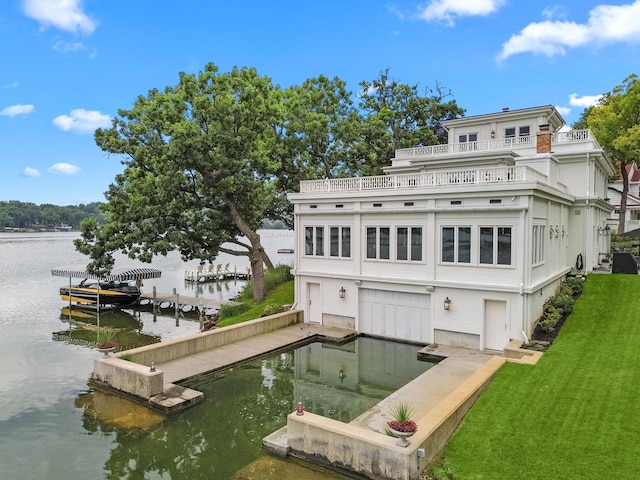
x=563, y=110
x=82, y=121
x=585, y=101
x=63, y=14
x=31, y=172
x=446, y=10
x=18, y=109
x=13, y=84
x=607, y=24
x=65, y=168
x=61, y=46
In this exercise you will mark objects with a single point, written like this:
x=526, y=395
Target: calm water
x=53, y=426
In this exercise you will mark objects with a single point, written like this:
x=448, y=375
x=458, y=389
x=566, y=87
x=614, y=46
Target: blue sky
x=67, y=66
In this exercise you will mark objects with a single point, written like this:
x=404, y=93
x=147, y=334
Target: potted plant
x=105, y=342
x=402, y=426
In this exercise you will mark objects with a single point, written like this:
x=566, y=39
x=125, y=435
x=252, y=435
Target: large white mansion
x=458, y=244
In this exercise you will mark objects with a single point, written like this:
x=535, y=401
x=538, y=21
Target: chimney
x=543, y=139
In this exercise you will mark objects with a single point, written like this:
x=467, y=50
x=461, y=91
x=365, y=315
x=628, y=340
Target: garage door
x=401, y=315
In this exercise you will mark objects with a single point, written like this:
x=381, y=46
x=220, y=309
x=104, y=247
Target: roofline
x=552, y=112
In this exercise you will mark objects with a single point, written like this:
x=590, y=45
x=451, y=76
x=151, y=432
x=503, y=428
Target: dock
x=184, y=303
x=216, y=273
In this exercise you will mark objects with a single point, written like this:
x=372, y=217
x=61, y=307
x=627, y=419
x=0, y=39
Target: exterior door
x=315, y=303
x=496, y=333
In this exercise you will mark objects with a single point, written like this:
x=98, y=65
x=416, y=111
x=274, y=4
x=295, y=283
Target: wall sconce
x=447, y=303
x=493, y=134
x=342, y=292
x=341, y=375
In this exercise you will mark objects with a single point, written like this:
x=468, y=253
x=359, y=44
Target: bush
x=550, y=318
x=232, y=309
x=272, y=278
x=575, y=284
x=563, y=301
x=272, y=309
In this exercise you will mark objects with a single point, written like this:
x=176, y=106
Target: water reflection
x=83, y=326
x=222, y=437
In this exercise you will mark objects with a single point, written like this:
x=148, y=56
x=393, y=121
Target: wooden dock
x=216, y=273
x=169, y=300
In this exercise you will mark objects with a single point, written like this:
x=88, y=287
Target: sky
x=67, y=66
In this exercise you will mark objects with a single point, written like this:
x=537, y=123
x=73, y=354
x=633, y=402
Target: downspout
x=524, y=274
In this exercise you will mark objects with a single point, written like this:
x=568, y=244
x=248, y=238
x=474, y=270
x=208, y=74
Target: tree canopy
x=210, y=158
x=616, y=123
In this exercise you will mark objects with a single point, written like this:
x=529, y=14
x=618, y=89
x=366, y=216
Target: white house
x=632, y=217
x=458, y=244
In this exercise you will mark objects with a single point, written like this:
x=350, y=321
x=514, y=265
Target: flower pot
x=402, y=437
x=106, y=351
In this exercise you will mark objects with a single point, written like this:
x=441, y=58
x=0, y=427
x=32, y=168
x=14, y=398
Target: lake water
x=52, y=425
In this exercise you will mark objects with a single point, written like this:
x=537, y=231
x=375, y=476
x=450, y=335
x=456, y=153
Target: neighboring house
x=632, y=217
x=458, y=244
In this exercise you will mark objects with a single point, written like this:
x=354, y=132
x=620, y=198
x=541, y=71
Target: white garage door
x=401, y=315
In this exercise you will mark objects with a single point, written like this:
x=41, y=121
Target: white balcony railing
x=515, y=143
x=468, y=176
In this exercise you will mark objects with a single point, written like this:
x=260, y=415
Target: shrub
x=575, y=284
x=563, y=301
x=272, y=278
x=550, y=318
x=272, y=309
x=232, y=309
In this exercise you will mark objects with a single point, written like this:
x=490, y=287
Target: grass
x=282, y=294
x=574, y=415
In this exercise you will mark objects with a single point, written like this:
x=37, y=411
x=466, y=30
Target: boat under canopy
x=109, y=289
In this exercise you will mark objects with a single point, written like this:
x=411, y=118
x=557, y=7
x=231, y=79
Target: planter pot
x=402, y=437
x=107, y=351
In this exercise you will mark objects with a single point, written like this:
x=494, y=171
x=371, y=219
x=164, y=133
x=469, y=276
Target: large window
x=537, y=249
x=314, y=241
x=340, y=241
x=456, y=244
x=409, y=243
x=495, y=245
x=378, y=243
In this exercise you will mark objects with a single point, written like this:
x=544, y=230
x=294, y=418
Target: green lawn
x=282, y=294
x=574, y=415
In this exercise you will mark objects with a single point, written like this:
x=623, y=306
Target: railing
x=571, y=136
x=471, y=176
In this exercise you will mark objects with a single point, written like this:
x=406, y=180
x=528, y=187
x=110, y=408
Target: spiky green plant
x=402, y=413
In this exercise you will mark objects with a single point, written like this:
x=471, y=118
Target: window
x=456, y=244
x=524, y=131
x=537, y=247
x=378, y=243
x=340, y=242
x=468, y=141
x=409, y=242
x=509, y=132
x=495, y=245
x=314, y=241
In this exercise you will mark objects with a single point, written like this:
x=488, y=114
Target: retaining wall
x=135, y=378
x=374, y=454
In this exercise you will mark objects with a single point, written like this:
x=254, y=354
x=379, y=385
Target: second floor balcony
x=568, y=138
x=427, y=180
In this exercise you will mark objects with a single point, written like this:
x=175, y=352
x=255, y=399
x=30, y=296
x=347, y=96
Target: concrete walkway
x=225, y=356
x=430, y=388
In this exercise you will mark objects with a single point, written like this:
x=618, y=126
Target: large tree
x=398, y=115
x=197, y=172
x=616, y=124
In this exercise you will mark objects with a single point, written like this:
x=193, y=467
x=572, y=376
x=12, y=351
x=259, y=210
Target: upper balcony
x=571, y=137
x=428, y=180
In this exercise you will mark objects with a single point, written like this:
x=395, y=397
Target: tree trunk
x=257, y=276
x=622, y=216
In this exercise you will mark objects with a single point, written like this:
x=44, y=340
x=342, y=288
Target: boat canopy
x=120, y=274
